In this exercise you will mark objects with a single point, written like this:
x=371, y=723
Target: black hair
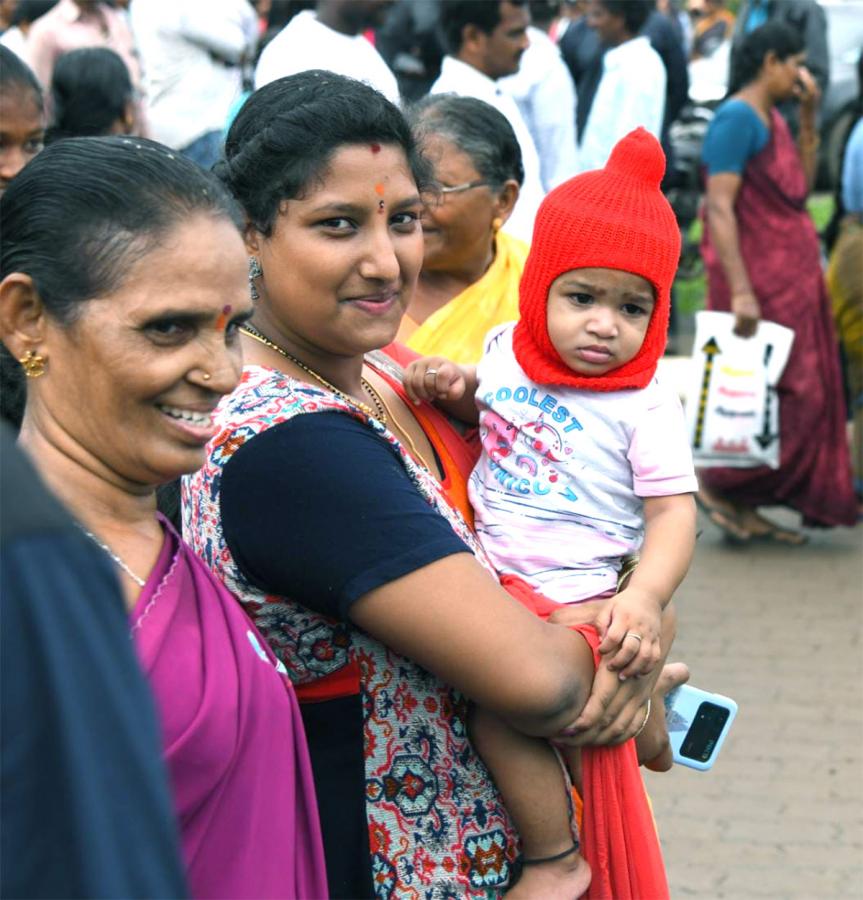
x=30, y=10
x=456, y=14
x=90, y=91
x=542, y=12
x=79, y=214
x=633, y=12
x=748, y=58
x=286, y=133
x=477, y=129
x=16, y=75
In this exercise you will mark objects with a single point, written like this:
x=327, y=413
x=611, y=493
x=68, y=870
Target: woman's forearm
x=453, y=618
x=723, y=230
x=807, y=145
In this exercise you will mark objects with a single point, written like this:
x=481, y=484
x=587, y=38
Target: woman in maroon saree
x=763, y=261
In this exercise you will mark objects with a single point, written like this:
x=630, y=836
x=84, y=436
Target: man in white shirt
x=486, y=41
x=330, y=37
x=192, y=62
x=545, y=93
x=631, y=91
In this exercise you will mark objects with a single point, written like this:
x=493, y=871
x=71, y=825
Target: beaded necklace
x=384, y=413
x=376, y=398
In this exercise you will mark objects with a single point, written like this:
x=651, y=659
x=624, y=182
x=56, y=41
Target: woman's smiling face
x=457, y=227
x=342, y=260
x=133, y=380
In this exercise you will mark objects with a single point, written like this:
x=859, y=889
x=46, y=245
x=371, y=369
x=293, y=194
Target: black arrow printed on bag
x=710, y=349
x=765, y=439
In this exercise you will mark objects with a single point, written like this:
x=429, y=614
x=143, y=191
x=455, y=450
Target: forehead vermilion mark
x=379, y=189
x=222, y=321
x=376, y=148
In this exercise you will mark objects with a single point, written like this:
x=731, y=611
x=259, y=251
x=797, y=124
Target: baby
x=585, y=460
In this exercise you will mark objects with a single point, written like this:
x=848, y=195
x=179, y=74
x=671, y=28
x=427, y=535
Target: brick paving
x=781, y=813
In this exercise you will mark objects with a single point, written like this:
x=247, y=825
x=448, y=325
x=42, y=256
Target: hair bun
x=638, y=156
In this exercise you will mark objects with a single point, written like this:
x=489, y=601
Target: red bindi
x=222, y=321
x=376, y=148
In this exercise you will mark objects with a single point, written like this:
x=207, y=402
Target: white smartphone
x=698, y=723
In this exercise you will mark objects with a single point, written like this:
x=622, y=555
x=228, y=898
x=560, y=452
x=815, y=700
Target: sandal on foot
x=727, y=523
x=777, y=535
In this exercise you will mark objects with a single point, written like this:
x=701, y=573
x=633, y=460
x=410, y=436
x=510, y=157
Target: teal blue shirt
x=734, y=136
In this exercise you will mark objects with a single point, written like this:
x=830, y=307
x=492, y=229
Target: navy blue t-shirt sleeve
x=733, y=137
x=319, y=509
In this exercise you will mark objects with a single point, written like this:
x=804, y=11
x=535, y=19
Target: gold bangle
x=644, y=723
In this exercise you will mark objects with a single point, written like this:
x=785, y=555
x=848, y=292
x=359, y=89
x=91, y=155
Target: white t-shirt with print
x=557, y=492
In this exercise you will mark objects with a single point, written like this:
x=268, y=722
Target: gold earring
x=33, y=363
x=496, y=224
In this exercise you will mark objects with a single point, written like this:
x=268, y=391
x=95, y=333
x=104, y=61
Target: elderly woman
x=127, y=328
x=337, y=511
x=763, y=261
x=470, y=273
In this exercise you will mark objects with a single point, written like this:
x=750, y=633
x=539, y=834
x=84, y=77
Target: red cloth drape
x=618, y=835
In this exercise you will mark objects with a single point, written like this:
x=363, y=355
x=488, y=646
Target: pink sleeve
x=42, y=54
x=659, y=451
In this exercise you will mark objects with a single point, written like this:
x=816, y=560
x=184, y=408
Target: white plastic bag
x=732, y=410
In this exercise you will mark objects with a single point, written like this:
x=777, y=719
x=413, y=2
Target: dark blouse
x=360, y=521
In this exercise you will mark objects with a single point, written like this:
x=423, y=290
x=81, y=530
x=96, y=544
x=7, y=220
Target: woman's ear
x=252, y=239
x=506, y=198
x=22, y=315
x=128, y=118
x=770, y=59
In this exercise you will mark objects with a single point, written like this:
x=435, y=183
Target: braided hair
x=287, y=132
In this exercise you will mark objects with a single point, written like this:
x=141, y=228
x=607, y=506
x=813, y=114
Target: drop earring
x=255, y=271
x=496, y=224
x=33, y=364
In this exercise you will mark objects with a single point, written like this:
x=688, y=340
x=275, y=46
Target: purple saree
x=232, y=736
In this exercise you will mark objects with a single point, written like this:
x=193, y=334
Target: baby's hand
x=434, y=378
x=629, y=626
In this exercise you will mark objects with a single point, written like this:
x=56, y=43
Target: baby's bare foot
x=557, y=879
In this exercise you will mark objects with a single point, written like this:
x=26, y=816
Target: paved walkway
x=781, y=813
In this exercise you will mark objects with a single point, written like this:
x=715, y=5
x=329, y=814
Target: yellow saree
x=456, y=330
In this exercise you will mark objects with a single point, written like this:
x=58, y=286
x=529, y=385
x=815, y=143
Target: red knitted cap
x=613, y=218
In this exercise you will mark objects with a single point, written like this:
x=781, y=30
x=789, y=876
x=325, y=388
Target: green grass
x=689, y=293
x=820, y=207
